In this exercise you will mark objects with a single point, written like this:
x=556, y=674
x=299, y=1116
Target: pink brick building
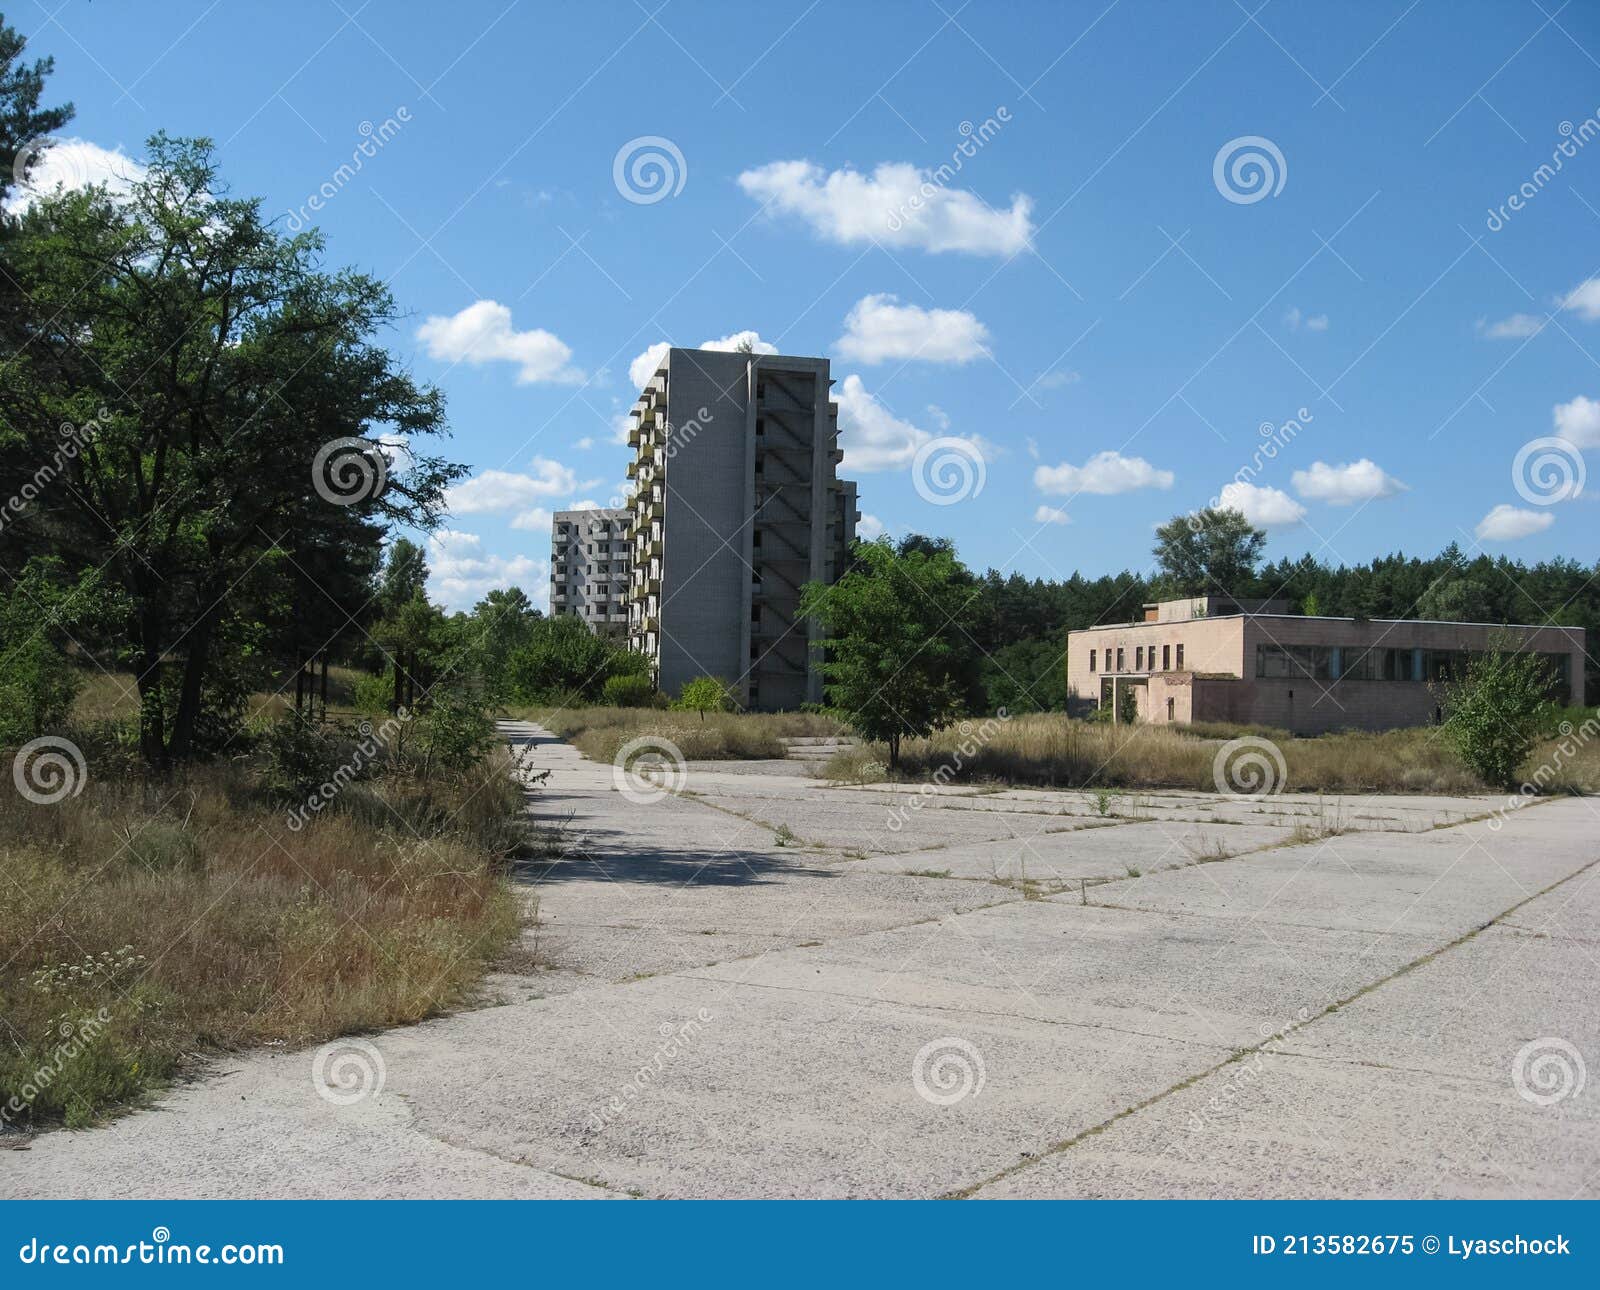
x=1209, y=658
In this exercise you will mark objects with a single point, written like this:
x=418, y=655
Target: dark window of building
x=1180, y=658
x=1138, y=658
x=1091, y=660
x=1119, y=658
x=1310, y=661
x=1170, y=707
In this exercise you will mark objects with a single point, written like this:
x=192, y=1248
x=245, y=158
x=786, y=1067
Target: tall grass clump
x=146, y=923
x=1051, y=750
x=599, y=732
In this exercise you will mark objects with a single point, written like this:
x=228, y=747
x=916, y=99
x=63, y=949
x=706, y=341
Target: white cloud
x=1584, y=300
x=1032, y=445
x=872, y=437
x=1268, y=508
x=869, y=528
x=1508, y=523
x=1294, y=320
x=897, y=205
x=1578, y=422
x=1051, y=515
x=644, y=366
x=1359, y=481
x=1516, y=327
x=879, y=328
x=584, y=444
x=482, y=333
x=1104, y=473
x=493, y=491
x=73, y=164
x=460, y=571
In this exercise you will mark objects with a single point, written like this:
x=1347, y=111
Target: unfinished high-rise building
x=737, y=506
x=589, y=557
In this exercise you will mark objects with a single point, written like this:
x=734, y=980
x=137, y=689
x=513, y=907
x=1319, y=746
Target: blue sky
x=1090, y=305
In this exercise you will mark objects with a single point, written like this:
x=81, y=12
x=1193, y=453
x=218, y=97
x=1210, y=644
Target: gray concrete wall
x=704, y=576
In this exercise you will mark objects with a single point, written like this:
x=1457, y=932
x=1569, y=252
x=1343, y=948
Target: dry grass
x=111, y=696
x=1052, y=750
x=161, y=922
x=722, y=736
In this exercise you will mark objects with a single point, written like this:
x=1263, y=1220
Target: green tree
x=1027, y=676
x=501, y=623
x=405, y=575
x=1493, y=713
x=22, y=120
x=1210, y=552
x=899, y=658
x=1455, y=599
x=205, y=367
x=564, y=662
x=38, y=682
x=703, y=694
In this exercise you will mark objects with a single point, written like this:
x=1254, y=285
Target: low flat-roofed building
x=1211, y=658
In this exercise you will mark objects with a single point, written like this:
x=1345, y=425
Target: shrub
x=300, y=755
x=374, y=693
x=1495, y=713
x=564, y=662
x=628, y=691
x=455, y=734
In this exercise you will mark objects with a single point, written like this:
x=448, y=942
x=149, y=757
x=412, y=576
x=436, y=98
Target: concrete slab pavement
x=728, y=1016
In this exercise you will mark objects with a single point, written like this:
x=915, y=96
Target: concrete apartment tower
x=737, y=505
x=589, y=564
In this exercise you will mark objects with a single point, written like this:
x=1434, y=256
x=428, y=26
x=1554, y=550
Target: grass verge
x=144, y=924
x=1051, y=750
x=599, y=732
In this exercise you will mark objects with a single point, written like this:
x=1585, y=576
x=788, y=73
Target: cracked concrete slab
x=1061, y=852
x=722, y=1015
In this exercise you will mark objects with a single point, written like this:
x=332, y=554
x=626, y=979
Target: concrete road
x=767, y=986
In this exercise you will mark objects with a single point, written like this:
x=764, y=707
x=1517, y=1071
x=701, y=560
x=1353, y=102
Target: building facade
x=590, y=559
x=737, y=505
x=1207, y=658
